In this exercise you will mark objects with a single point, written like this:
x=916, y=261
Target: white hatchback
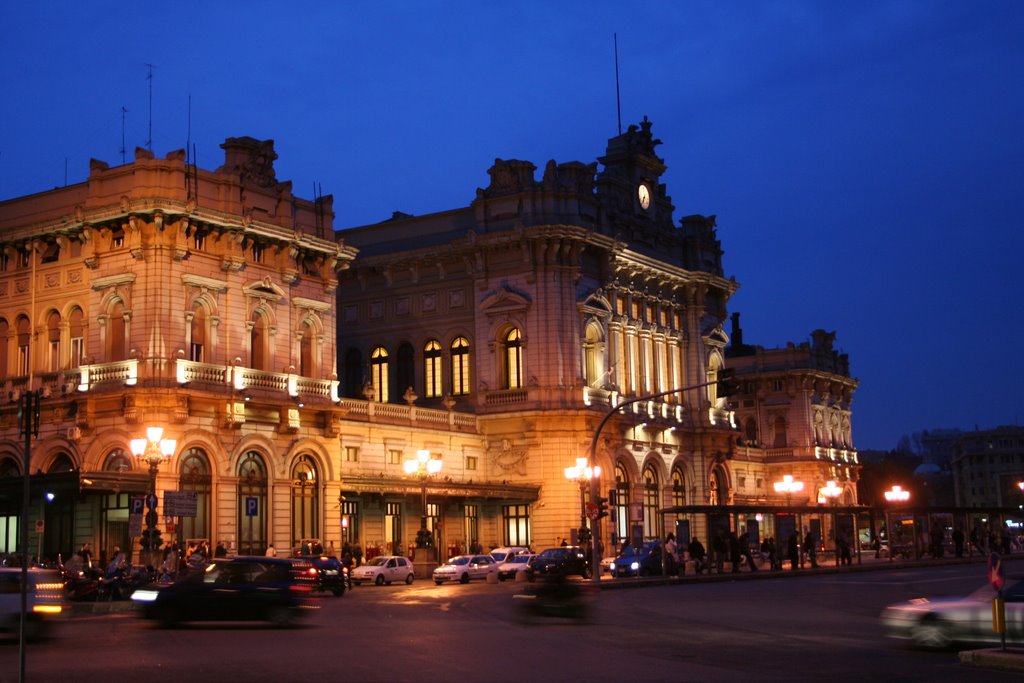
x=384, y=569
x=45, y=600
x=464, y=568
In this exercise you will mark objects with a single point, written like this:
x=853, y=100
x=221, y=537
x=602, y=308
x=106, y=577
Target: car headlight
x=634, y=566
x=144, y=595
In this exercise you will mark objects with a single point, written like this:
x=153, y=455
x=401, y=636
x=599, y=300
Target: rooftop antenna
x=123, y=112
x=618, y=101
x=149, y=77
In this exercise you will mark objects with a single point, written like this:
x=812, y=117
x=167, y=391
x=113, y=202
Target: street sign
x=40, y=526
x=996, y=573
x=591, y=510
x=151, y=501
x=136, y=505
x=252, y=506
x=180, y=503
x=135, y=524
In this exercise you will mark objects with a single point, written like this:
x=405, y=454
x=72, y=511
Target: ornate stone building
x=299, y=369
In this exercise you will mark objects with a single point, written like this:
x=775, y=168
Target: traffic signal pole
x=727, y=387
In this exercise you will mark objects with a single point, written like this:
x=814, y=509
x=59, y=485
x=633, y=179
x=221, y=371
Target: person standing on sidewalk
x=793, y=550
x=811, y=548
x=744, y=543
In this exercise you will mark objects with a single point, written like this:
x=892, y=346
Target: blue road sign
x=137, y=502
x=252, y=506
x=151, y=501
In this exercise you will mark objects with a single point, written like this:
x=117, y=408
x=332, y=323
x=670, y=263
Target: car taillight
x=311, y=571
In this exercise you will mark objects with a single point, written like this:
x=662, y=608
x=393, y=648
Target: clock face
x=644, y=195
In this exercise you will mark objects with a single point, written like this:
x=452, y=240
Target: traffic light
x=583, y=534
x=728, y=385
x=602, y=508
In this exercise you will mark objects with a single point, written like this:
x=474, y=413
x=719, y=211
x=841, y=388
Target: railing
x=506, y=397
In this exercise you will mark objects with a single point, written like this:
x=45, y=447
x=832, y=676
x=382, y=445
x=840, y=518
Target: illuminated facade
x=299, y=368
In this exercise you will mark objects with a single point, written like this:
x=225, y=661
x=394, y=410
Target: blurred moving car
x=646, y=562
x=384, y=569
x=514, y=563
x=566, y=560
x=464, y=568
x=942, y=622
x=274, y=589
x=506, y=553
x=329, y=575
x=44, y=600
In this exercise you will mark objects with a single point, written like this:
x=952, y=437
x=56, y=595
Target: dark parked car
x=329, y=575
x=647, y=562
x=563, y=561
x=234, y=589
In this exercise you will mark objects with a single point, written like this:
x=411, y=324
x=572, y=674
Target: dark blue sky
x=865, y=160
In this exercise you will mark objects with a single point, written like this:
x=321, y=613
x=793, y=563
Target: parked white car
x=514, y=563
x=507, y=552
x=384, y=569
x=464, y=568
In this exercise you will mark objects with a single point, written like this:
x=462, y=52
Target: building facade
x=299, y=368
x=988, y=468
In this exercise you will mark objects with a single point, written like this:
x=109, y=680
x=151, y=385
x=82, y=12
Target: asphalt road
x=822, y=627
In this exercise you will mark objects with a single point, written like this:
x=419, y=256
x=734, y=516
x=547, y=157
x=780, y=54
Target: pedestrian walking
x=793, y=550
x=811, y=547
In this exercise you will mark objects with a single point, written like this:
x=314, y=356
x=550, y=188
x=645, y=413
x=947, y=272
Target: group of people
x=728, y=546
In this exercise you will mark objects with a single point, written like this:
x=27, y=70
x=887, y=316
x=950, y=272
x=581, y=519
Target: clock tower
x=634, y=201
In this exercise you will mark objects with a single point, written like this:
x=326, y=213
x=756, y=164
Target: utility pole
x=28, y=426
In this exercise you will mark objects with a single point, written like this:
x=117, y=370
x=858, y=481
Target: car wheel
x=379, y=580
x=408, y=579
x=932, y=633
x=464, y=578
x=281, y=617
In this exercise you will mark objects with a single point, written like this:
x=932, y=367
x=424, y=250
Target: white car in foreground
x=384, y=569
x=464, y=568
x=943, y=622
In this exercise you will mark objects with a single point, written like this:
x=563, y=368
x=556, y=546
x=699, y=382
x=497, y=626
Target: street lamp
x=894, y=495
x=424, y=466
x=830, y=492
x=788, y=486
x=582, y=473
x=153, y=450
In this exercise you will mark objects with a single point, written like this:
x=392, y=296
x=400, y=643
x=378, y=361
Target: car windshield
x=501, y=557
x=459, y=560
x=554, y=553
x=520, y=559
x=377, y=561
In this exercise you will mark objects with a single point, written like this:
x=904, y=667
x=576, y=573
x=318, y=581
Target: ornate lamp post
x=582, y=473
x=788, y=486
x=894, y=495
x=830, y=492
x=425, y=467
x=152, y=450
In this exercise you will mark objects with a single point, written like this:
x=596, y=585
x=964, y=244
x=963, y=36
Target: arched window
x=24, y=338
x=197, y=345
x=620, y=504
x=116, y=341
x=259, y=343
x=117, y=461
x=460, y=366
x=513, y=359
x=379, y=373
x=652, y=501
x=719, y=492
x=714, y=365
x=62, y=463
x=252, y=505
x=354, y=376
x=750, y=431
x=678, y=487
x=779, y=439
x=405, y=369
x=9, y=468
x=5, y=331
x=194, y=475
x=305, y=500
x=53, y=342
x=432, y=369
x=76, y=334
x=593, y=355
x=307, y=364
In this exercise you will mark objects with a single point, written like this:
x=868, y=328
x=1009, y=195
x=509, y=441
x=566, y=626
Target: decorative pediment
x=716, y=337
x=504, y=299
x=596, y=304
x=264, y=289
